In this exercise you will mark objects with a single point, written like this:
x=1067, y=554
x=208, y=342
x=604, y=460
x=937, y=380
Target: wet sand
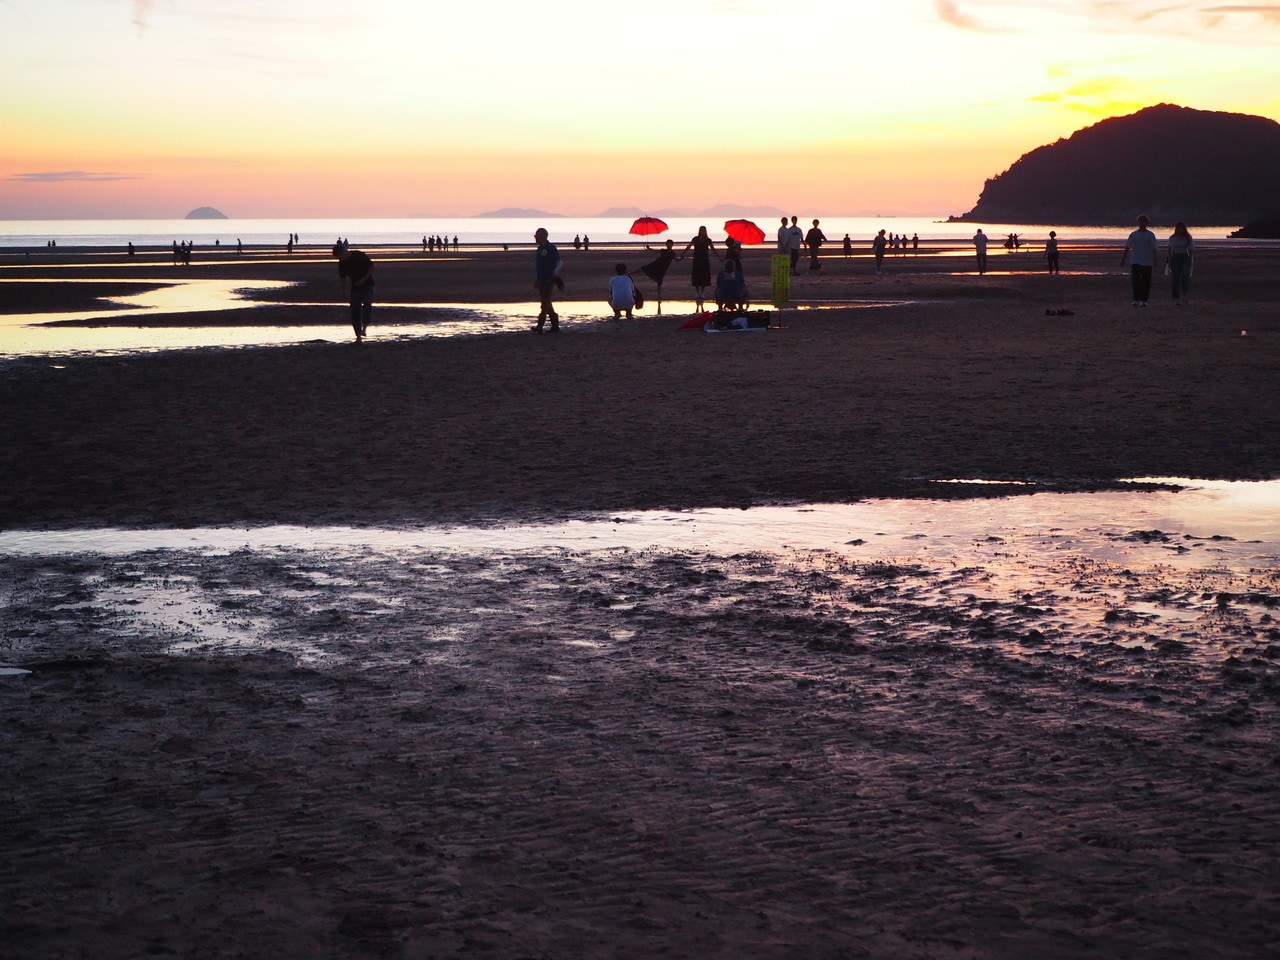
x=647, y=752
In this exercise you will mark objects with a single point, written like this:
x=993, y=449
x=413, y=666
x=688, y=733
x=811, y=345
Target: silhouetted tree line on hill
x=1169, y=162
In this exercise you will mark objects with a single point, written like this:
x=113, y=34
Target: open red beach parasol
x=647, y=226
x=744, y=231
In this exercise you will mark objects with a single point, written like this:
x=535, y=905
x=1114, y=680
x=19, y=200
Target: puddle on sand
x=1196, y=571
x=49, y=334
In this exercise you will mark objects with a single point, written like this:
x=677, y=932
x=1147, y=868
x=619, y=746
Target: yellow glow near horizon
x=312, y=107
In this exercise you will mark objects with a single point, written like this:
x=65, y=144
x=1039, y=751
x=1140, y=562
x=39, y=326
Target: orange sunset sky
x=299, y=108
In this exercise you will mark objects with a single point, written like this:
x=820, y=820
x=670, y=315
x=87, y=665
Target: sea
x=481, y=232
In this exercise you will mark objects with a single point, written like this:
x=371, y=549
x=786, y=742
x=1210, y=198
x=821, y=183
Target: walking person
x=1178, y=262
x=1051, y=251
x=980, y=247
x=1140, y=253
x=546, y=278
x=355, y=270
x=878, y=244
x=814, y=240
x=795, y=240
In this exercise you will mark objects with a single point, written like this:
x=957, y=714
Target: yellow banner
x=781, y=280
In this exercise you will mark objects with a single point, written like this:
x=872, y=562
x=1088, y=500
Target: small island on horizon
x=206, y=213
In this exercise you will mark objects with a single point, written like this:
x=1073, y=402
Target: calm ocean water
x=35, y=234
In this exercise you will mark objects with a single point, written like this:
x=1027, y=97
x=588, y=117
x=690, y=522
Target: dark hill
x=1266, y=227
x=1170, y=162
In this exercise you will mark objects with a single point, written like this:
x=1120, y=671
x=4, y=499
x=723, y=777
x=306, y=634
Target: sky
x=391, y=108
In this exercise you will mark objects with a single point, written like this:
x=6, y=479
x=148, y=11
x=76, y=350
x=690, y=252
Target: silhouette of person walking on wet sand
x=355, y=270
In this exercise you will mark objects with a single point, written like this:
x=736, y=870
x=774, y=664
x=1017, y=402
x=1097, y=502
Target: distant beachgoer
x=656, y=269
x=878, y=245
x=980, y=247
x=289, y=246
x=1178, y=261
x=1051, y=251
x=622, y=292
x=455, y=244
x=131, y=250
x=1140, y=253
x=239, y=247
x=795, y=240
x=577, y=242
x=848, y=245
x=915, y=243
x=424, y=243
x=355, y=271
x=784, y=237
x=702, y=246
x=546, y=278
x=176, y=254
x=586, y=243
x=814, y=240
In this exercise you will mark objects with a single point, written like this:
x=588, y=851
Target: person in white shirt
x=622, y=292
x=980, y=246
x=1140, y=253
x=795, y=240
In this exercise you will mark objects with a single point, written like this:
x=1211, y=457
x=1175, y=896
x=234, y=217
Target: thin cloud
x=69, y=176
x=1267, y=11
x=1191, y=19
x=949, y=12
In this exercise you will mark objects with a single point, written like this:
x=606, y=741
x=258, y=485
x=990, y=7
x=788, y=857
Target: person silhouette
x=702, y=245
x=814, y=240
x=980, y=248
x=546, y=278
x=656, y=269
x=622, y=292
x=355, y=271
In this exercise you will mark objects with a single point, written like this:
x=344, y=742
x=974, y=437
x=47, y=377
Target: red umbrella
x=744, y=231
x=646, y=226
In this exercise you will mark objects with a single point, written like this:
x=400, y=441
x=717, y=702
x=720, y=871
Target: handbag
x=637, y=295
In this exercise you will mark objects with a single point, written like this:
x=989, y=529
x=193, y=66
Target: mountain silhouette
x=1169, y=162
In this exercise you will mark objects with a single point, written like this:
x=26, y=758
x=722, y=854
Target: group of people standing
x=792, y=238
x=430, y=244
x=355, y=269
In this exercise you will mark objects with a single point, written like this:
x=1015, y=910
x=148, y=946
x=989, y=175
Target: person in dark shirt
x=546, y=278
x=656, y=270
x=355, y=269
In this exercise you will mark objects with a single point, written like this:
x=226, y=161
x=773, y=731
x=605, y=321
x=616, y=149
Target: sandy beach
x=650, y=752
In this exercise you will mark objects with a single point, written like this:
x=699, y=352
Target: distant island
x=206, y=213
x=1169, y=162
x=516, y=213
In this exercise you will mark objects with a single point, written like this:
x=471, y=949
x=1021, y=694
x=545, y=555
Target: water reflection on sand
x=73, y=332
x=1197, y=567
